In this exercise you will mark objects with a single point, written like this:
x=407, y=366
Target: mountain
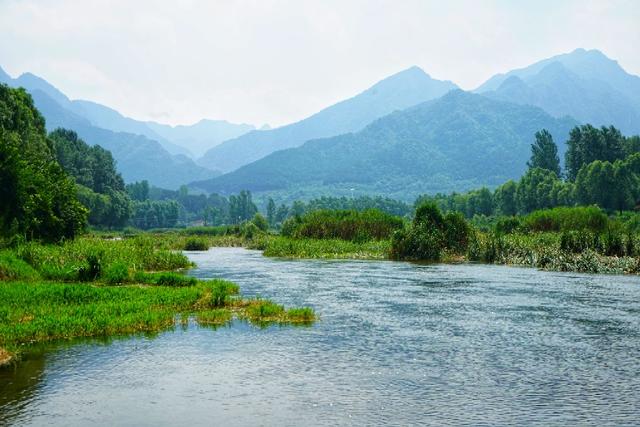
x=137, y=156
x=397, y=92
x=583, y=84
x=191, y=140
x=454, y=143
x=201, y=136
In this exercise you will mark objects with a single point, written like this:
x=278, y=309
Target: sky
x=276, y=62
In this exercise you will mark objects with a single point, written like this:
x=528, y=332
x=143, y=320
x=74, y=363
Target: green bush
x=352, y=225
x=566, y=218
x=430, y=235
x=507, y=225
x=196, y=245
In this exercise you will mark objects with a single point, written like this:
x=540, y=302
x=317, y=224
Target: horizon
x=188, y=87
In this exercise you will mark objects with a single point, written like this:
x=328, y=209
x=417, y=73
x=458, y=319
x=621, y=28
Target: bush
x=589, y=218
x=352, y=225
x=507, y=225
x=195, y=245
x=260, y=222
x=456, y=232
x=430, y=235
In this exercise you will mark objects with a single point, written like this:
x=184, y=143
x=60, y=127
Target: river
x=397, y=344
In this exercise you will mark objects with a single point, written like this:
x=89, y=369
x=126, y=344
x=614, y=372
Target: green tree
x=587, y=144
x=271, y=212
x=544, y=153
x=505, y=198
x=38, y=198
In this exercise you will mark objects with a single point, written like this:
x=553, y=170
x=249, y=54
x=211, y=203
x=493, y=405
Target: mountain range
x=397, y=92
x=137, y=156
x=584, y=84
x=407, y=134
x=457, y=142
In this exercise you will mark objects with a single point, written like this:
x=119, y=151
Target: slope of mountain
x=583, y=84
x=191, y=140
x=108, y=118
x=457, y=142
x=397, y=92
x=137, y=157
x=201, y=136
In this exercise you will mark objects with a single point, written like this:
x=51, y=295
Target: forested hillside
x=397, y=92
x=459, y=141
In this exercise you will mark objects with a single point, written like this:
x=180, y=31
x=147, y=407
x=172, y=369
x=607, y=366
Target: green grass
x=326, y=248
x=261, y=312
x=193, y=244
x=102, y=287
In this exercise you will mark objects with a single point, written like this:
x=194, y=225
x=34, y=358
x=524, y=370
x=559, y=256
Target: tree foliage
x=38, y=198
x=544, y=153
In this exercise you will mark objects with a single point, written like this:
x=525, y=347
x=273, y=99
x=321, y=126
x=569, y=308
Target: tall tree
x=587, y=144
x=271, y=212
x=544, y=153
x=38, y=199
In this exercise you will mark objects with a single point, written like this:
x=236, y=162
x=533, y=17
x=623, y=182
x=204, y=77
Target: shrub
x=260, y=222
x=589, y=218
x=91, y=270
x=195, y=245
x=352, y=225
x=507, y=225
x=456, y=232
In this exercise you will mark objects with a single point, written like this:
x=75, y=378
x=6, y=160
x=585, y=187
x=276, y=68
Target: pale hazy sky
x=276, y=62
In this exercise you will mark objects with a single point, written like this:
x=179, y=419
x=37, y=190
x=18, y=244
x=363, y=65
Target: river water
x=397, y=344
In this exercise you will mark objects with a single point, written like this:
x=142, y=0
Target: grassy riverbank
x=94, y=286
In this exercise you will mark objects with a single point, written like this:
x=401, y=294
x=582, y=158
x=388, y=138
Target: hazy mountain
x=397, y=92
x=201, y=136
x=583, y=84
x=137, y=157
x=191, y=140
x=457, y=142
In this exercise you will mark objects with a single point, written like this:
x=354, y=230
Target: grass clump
x=216, y=317
x=286, y=247
x=14, y=268
x=262, y=312
x=165, y=279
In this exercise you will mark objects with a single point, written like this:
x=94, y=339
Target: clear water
x=398, y=344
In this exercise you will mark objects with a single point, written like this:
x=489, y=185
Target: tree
x=612, y=186
x=241, y=207
x=505, y=198
x=271, y=212
x=536, y=190
x=138, y=191
x=587, y=144
x=544, y=153
x=94, y=171
x=38, y=199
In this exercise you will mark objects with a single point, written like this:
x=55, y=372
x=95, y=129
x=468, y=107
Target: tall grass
x=350, y=225
x=323, y=248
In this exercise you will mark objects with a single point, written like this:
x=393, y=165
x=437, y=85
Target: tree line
x=602, y=167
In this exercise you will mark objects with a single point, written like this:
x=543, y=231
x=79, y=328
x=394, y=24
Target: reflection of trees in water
x=18, y=385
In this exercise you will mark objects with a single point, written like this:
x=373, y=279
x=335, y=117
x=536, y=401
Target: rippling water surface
x=397, y=344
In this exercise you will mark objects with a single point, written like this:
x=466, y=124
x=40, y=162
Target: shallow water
x=397, y=344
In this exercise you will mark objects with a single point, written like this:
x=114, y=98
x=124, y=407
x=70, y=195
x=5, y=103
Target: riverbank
x=94, y=287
